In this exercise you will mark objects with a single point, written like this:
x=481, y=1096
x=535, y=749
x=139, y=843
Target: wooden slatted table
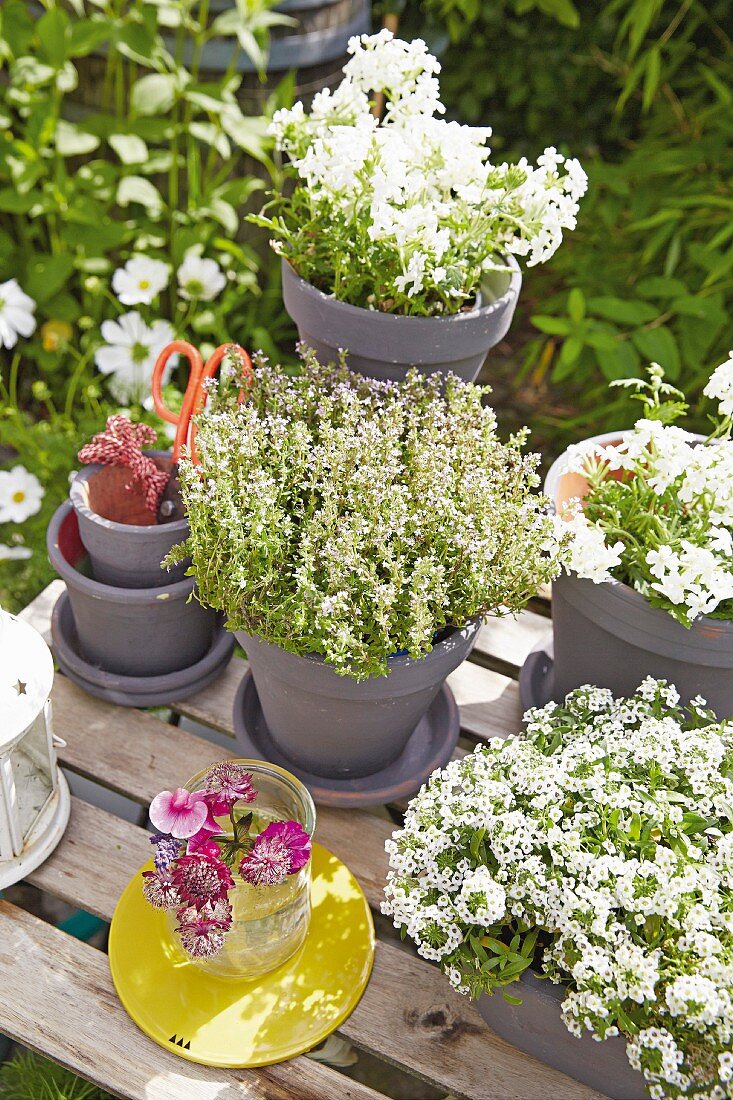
x=56, y=994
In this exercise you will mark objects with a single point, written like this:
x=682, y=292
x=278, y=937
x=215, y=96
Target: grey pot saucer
x=134, y=691
x=430, y=746
x=536, y=676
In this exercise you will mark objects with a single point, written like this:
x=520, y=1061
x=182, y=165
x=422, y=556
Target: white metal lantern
x=34, y=796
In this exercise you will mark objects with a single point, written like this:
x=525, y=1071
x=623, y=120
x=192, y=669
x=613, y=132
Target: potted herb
x=594, y=850
x=650, y=584
x=399, y=235
x=355, y=532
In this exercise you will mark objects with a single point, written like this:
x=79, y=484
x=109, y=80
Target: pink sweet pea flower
x=179, y=813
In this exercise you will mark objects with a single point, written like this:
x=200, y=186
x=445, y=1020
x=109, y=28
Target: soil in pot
x=133, y=632
x=124, y=541
x=337, y=727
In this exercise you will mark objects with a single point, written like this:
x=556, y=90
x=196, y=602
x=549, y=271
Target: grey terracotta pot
x=130, y=631
x=609, y=635
x=124, y=554
x=385, y=345
x=536, y=1028
x=337, y=727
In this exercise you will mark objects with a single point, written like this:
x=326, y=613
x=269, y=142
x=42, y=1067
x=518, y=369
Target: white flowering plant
x=658, y=511
x=407, y=213
x=597, y=848
x=337, y=515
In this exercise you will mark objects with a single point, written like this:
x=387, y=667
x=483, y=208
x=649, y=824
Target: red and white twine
x=121, y=444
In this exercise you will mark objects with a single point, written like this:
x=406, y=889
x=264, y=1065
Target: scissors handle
x=190, y=397
x=212, y=365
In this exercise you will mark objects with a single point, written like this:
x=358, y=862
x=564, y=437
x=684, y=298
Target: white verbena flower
x=130, y=353
x=140, y=280
x=16, y=314
x=200, y=278
x=21, y=494
x=720, y=385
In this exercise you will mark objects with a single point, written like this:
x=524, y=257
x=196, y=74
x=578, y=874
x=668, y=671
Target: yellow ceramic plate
x=254, y=1023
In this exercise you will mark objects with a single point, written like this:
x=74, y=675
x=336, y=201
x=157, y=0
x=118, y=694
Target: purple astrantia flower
x=167, y=850
x=231, y=782
x=160, y=889
x=296, y=840
x=200, y=879
x=202, y=930
x=178, y=812
x=280, y=850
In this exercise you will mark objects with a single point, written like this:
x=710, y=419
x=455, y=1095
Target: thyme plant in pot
x=649, y=589
x=586, y=865
x=355, y=532
x=434, y=224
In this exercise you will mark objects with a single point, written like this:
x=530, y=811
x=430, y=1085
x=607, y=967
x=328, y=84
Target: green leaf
x=129, y=148
x=621, y=361
x=46, y=275
x=17, y=26
x=651, y=77
x=622, y=310
x=154, y=93
x=576, y=305
x=658, y=345
x=553, y=326
x=212, y=135
x=657, y=286
x=86, y=35
x=52, y=29
x=138, y=189
x=562, y=10
x=12, y=202
x=73, y=142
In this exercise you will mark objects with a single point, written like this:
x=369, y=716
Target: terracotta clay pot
x=124, y=543
x=130, y=631
x=385, y=345
x=335, y=726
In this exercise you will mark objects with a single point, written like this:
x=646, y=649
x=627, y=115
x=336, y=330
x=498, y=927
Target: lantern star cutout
x=20, y=687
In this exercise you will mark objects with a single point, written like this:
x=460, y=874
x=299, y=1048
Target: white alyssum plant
x=597, y=847
x=658, y=511
x=341, y=516
x=406, y=213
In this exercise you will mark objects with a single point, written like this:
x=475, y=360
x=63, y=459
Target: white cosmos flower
x=140, y=281
x=16, y=314
x=21, y=494
x=200, y=278
x=129, y=354
x=14, y=553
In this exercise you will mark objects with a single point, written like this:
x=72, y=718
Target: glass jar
x=269, y=923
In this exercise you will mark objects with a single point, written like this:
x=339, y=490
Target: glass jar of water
x=269, y=923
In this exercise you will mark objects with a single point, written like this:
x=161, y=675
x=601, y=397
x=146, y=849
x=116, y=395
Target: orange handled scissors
x=194, y=398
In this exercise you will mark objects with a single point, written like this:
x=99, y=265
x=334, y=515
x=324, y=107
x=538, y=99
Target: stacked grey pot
x=125, y=629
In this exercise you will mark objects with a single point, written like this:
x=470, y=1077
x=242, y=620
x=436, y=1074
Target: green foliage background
x=641, y=92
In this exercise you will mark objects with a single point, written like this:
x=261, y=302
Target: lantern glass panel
x=32, y=773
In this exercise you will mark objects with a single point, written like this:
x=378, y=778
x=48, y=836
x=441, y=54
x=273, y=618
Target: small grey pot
x=124, y=554
x=128, y=631
x=610, y=635
x=385, y=345
x=337, y=727
x=536, y=1028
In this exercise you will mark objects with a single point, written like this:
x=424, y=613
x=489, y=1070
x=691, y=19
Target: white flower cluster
x=598, y=847
x=415, y=197
x=665, y=498
x=131, y=345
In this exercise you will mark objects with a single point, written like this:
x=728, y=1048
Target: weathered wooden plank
x=509, y=639
x=488, y=701
x=408, y=1015
x=57, y=997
